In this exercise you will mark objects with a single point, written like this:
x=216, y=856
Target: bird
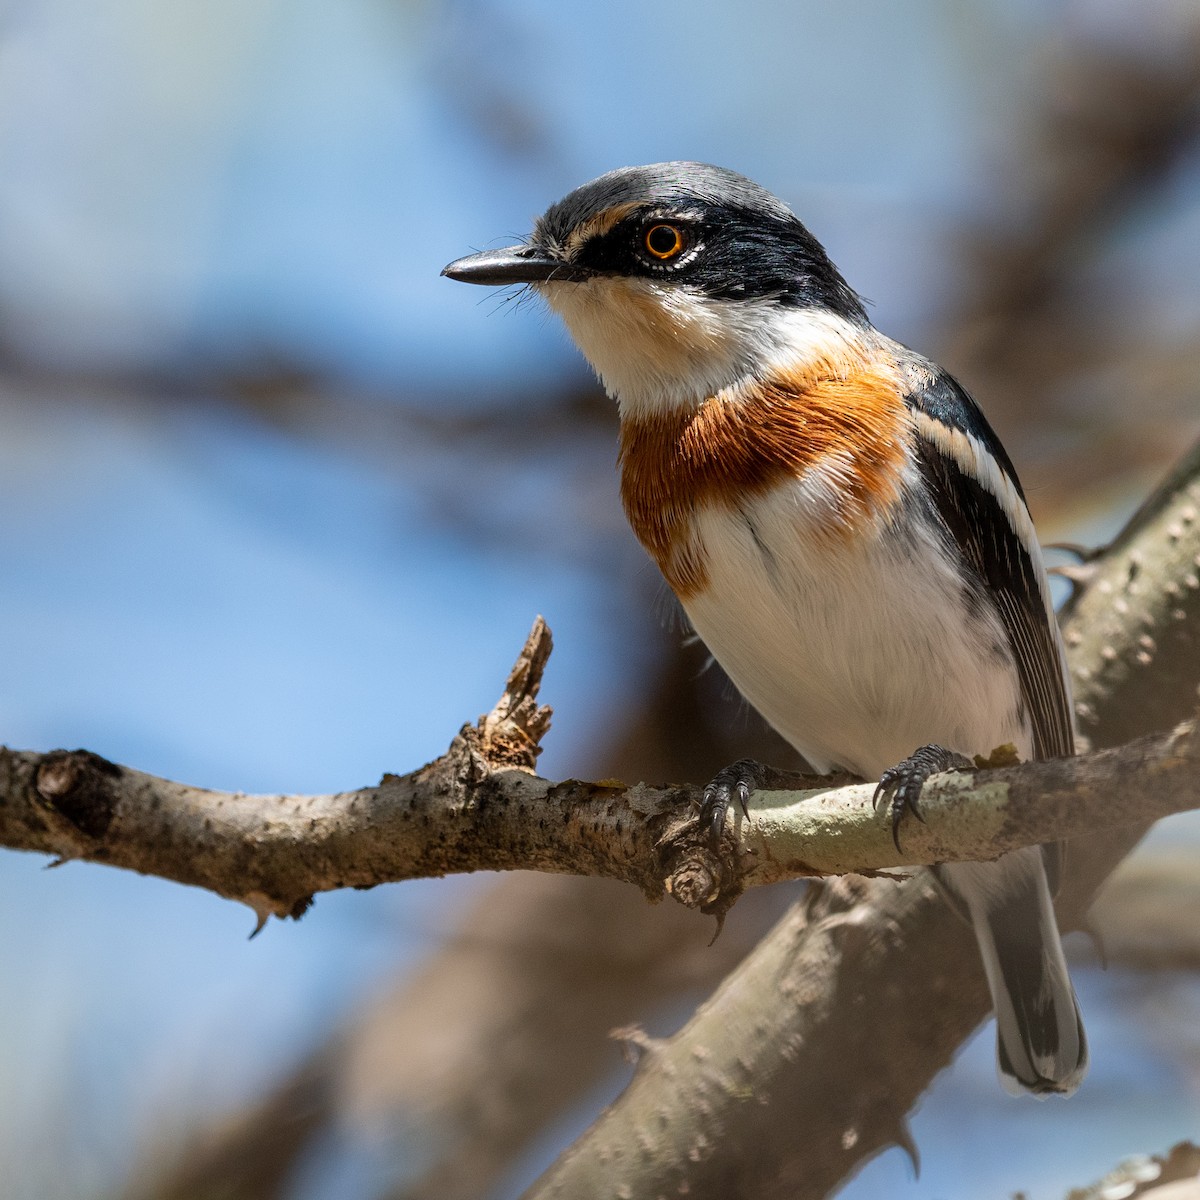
x=843, y=529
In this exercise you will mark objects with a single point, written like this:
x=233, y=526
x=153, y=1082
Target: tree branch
x=480, y=807
x=1133, y=644
x=840, y=1019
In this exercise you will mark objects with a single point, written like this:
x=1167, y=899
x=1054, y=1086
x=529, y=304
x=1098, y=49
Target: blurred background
x=279, y=506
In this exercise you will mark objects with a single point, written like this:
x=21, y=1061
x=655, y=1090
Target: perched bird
x=842, y=527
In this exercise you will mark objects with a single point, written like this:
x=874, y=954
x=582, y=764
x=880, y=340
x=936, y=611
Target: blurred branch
x=505, y=1026
x=1023, y=355
x=464, y=1052
x=252, y=1156
x=734, y=1068
x=1105, y=123
x=480, y=807
x=748, y=1071
x=1145, y=915
x=1174, y=1176
x=1082, y=382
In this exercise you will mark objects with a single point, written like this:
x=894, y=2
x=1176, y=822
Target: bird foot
x=900, y=786
x=735, y=781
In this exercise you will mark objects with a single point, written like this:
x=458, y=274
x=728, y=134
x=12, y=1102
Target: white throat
x=658, y=347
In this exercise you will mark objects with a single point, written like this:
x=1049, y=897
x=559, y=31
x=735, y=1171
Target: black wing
x=980, y=504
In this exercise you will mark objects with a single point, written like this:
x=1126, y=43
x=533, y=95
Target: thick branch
x=485, y=808
x=808, y=1004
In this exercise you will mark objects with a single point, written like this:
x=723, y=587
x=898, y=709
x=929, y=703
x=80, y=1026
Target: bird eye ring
x=664, y=241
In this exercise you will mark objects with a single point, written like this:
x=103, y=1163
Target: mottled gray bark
x=480, y=807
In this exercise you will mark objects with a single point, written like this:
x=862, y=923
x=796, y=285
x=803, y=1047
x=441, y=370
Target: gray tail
x=1041, y=1046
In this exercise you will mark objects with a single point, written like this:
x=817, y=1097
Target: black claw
x=900, y=786
x=736, y=781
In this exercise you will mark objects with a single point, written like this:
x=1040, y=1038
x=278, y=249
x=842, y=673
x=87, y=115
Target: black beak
x=515, y=264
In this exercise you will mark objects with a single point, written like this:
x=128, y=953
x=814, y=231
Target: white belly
x=856, y=652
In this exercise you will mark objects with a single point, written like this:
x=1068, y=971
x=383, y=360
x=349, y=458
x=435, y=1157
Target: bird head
x=677, y=280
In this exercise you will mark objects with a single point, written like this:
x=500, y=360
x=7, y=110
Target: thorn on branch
x=636, y=1043
x=1093, y=933
x=1082, y=553
x=265, y=907
x=904, y=1140
x=1078, y=576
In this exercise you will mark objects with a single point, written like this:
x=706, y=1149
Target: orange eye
x=664, y=241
